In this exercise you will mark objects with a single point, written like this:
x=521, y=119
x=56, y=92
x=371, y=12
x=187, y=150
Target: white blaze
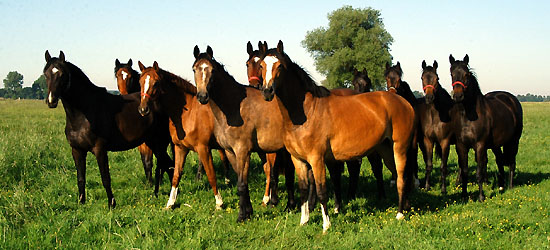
x=54, y=70
x=124, y=75
x=50, y=97
x=203, y=68
x=146, y=85
x=269, y=61
x=256, y=59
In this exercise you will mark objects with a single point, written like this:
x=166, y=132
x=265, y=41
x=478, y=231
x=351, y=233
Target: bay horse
x=128, y=82
x=436, y=126
x=320, y=127
x=97, y=122
x=493, y=120
x=191, y=124
x=395, y=84
x=241, y=125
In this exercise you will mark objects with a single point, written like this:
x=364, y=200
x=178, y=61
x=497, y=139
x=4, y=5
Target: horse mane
x=473, y=83
x=78, y=76
x=180, y=83
x=306, y=80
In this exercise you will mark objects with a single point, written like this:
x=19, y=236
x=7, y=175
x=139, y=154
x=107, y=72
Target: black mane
x=181, y=83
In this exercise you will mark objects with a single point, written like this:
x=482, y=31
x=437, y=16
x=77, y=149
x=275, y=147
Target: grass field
x=39, y=209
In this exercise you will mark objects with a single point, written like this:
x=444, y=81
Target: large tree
x=40, y=88
x=355, y=38
x=13, y=83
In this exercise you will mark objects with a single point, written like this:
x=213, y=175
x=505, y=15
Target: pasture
x=39, y=208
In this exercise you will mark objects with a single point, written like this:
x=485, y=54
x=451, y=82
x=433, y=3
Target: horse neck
x=81, y=94
x=443, y=102
x=173, y=89
x=292, y=95
x=405, y=91
x=134, y=87
x=226, y=95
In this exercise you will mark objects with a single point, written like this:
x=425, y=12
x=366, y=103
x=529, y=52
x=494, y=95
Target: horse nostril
x=143, y=111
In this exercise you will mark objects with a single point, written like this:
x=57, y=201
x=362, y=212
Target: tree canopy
x=13, y=83
x=354, y=38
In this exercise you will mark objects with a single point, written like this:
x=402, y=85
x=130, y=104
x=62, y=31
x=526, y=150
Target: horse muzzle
x=144, y=111
x=52, y=101
x=203, y=97
x=458, y=96
x=268, y=93
x=429, y=98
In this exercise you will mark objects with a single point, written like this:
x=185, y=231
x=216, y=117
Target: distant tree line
x=13, y=87
x=533, y=98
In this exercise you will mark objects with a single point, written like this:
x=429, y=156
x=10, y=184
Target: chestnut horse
x=240, y=125
x=492, y=121
x=97, y=122
x=436, y=127
x=128, y=82
x=191, y=124
x=321, y=128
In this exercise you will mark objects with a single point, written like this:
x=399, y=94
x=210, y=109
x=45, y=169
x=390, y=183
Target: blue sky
x=508, y=42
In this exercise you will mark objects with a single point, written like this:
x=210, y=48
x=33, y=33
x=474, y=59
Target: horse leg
x=180, y=153
x=445, y=147
x=79, y=157
x=269, y=182
x=164, y=165
x=354, y=166
x=499, y=157
x=404, y=175
x=481, y=173
x=205, y=156
x=200, y=169
x=335, y=169
x=286, y=162
x=147, y=160
x=428, y=159
x=303, y=185
x=245, y=206
x=511, y=150
x=375, y=161
x=103, y=163
x=462, y=153
x=225, y=163
x=312, y=197
x=319, y=173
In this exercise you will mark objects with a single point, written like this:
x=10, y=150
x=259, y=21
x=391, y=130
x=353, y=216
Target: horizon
x=504, y=40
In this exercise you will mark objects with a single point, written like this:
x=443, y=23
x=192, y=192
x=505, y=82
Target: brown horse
x=436, y=127
x=97, y=122
x=492, y=121
x=191, y=124
x=128, y=82
x=321, y=128
x=239, y=125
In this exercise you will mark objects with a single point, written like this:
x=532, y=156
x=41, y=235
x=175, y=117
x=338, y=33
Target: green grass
x=39, y=209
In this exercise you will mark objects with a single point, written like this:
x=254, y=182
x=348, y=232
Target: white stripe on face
x=204, y=66
x=50, y=97
x=54, y=70
x=256, y=59
x=124, y=75
x=269, y=61
x=146, y=85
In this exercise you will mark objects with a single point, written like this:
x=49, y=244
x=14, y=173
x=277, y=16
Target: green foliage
x=13, y=83
x=39, y=209
x=355, y=38
x=40, y=88
x=533, y=98
x=14, y=89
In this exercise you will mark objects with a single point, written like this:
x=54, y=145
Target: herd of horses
x=296, y=126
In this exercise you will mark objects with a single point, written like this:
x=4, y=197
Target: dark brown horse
x=320, y=128
x=97, y=122
x=436, y=127
x=240, y=125
x=395, y=84
x=492, y=121
x=191, y=124
x=128, y=82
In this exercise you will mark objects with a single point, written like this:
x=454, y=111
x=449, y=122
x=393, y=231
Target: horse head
x=430, y=81
x=202, y=69
x=253, y=63
x=124, y=76
x=148, y=82
x=58, y=78
x=272, y=64
x=393, y=76
x=460, y=75
x=361, y=81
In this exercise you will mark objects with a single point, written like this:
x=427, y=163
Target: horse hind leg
x=147, y=160
x=511, y=151
x=335, y=170
x=79, y=157
x=180, y=153
x=500, y=159
x=103, y=163
x=286, y=162
x=226, y=165
x=375, y=161
x=205, y=156
x=428, y=159
x=481, y=156
x=354, y=167
x=444, y=169
x=268, y=168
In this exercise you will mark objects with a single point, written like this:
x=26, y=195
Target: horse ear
x=117, y=63
x=156, y=66
x=365, y=72
x=398, y=66
x=451, y=59
x=466, y=59
x=280, y=47
x=130, y=62
x=141, y=67
x=262, y=47
x=435, y=65
x=387, y=66
x=62, y=56
x=423, y=64
x=249, y=48
x=48, y=57
x=196, y=51
x=209, y=51
x=355, y=71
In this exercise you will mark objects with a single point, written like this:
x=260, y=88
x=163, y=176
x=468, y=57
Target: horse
x=493, y=120
x=319, y=127
x=272, y=162
x=191, y=124
x=97, y=122
x=240, y=124
x=436, y=127
x=396, y=85
x=128, y=82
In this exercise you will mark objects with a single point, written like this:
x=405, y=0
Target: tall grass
x=39, y=209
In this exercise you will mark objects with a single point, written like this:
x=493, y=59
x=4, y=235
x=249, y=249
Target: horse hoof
x=112, y=203
x=400, y=216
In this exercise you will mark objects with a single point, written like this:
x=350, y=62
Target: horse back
x=506, y=115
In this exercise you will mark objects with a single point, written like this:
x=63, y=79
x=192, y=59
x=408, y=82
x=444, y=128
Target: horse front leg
x=499, y=157
x=147, y=160
x=462, y=153
x=375, y=161
x=245, y=206
x=303, y=185
x=180, y=153
x=103, y=163
x=445, y=147
x=354, y=167
x=319, y=173
x=481, y=173
x=205, y=156
x=288, y=166
x=428, y=159
x=268, y=167
x=335, y=169
x=225, y=163
x=79, y=157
